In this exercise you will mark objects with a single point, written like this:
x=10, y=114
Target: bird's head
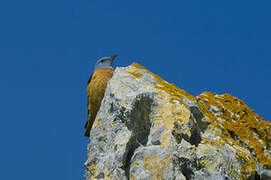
x=105, y=63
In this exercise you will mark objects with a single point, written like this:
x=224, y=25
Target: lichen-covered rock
x=148, y=128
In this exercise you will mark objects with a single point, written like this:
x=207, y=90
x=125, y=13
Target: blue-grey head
x=105, y=63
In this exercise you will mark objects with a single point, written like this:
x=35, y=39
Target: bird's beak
x=114, y=56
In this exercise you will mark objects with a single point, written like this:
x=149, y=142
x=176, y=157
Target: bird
x=96, y=87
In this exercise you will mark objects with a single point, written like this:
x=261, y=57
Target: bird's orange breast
x=96, y=89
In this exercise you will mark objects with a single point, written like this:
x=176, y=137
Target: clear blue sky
x=48, y=49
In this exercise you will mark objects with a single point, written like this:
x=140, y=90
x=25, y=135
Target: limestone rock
x=148, y=128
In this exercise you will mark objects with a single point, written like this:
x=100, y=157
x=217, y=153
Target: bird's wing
x=89, y=80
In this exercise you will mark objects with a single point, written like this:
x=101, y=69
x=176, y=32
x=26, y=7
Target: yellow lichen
x=165, y=161
x=132, y=176
x=137, y=74
x=151, y=164
x=135, y=163
x=90, y=156
x=113, y=124
x=156, y=168
x=96, y=122
x=239, y=125
x=175, y=93
x=93, y=169
x=107, y=174
x=168, y=113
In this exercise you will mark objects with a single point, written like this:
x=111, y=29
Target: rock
x=148, y=128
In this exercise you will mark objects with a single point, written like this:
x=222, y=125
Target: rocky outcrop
x=148, y=128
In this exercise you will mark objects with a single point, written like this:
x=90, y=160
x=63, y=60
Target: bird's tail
x=88, y=126
x=87, y=132
x=87, y=129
